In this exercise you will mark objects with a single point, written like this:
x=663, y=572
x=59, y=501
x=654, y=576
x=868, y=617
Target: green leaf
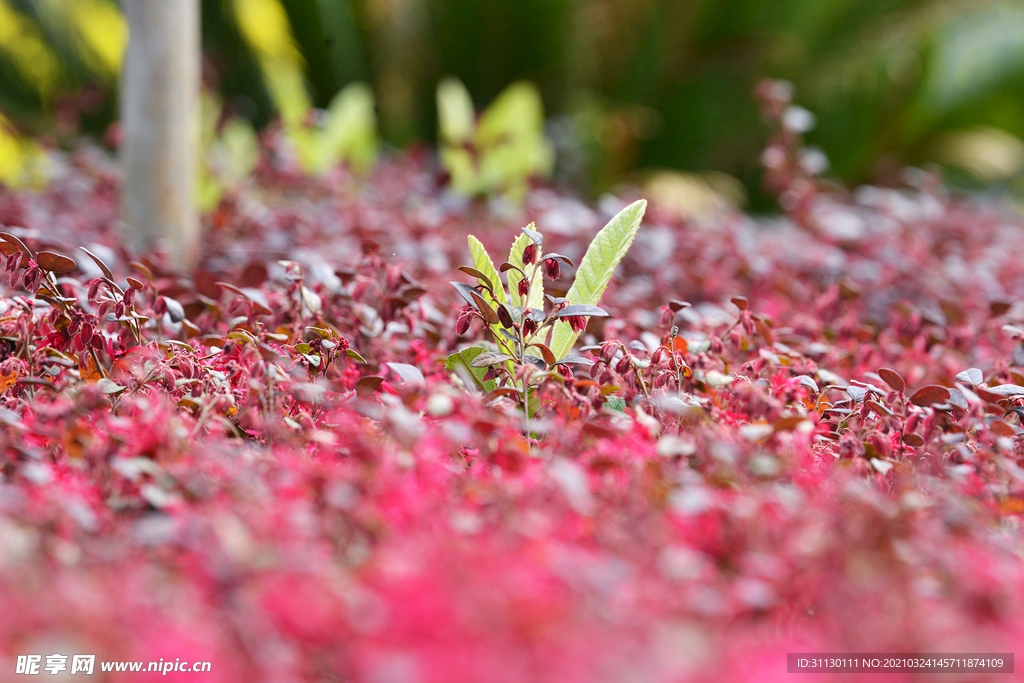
x=510, y=141
x=482, y=262
x=616, y=403
x=515, y=257
x=461, y=363
x=455, y=113
x=350, y=133
x=597, y=267
x=354, y=355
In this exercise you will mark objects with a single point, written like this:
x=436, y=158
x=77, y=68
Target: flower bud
x=578, y=323
x=462, y=326
x=524, y=287
x=529, y=254
x=551, y=268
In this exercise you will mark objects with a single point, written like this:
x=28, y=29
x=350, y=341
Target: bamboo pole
x=159, y=118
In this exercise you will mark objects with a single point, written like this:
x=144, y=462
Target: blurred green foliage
x=500, y=152
x=628, y=84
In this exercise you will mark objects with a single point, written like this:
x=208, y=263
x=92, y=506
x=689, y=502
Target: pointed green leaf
x=597, y=267
x=482, y=262
x=515, y=257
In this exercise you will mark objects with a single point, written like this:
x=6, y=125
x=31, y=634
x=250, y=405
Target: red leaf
x=930, y=394
x=893, y=379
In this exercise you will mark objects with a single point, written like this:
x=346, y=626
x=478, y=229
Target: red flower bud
x=578, y=323
x=529, y=254
x=462, y=326
x=623, y=366
x=551, y=268
x=524, y=287
x=529, y=326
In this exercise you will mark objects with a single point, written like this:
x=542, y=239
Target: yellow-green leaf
x=455, y=113
x=597, y=267
x=482, y=262
x=515, y=257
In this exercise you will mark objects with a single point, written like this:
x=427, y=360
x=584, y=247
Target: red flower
x=524, y=287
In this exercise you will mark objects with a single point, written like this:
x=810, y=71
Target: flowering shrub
x=800, y=435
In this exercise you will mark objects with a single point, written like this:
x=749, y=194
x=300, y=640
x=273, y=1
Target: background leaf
x=455, y=112
x=410, y=374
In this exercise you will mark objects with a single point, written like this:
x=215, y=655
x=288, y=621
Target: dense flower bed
x=278, y=475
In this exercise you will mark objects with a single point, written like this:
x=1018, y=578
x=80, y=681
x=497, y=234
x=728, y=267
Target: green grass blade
x=597, y=267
